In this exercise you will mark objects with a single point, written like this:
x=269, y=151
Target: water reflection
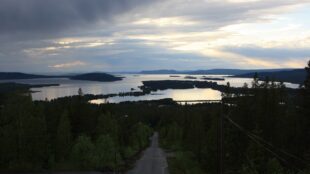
x=178, y=94
x=70, y=87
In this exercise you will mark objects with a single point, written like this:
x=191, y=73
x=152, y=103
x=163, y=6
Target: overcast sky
x=131, y=35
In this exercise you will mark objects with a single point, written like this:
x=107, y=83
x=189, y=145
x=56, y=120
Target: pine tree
x=37, y=138
x=108, y=154
x=107, y=125
x=23, y=134
x=83, y=153
x=306, y=91
x=255, y=83
x=63, y=139
x=306, y=110
x=174, y=135
x=80, y=92
x=227, y=91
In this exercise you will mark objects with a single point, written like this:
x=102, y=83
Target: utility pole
x=220, y=142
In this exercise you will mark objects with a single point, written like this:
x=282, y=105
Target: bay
x=131, y=82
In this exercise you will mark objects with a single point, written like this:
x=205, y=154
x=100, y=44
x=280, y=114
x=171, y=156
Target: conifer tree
x=83, y=153
x=306, y=109
x=108, y=154
x=63, y=139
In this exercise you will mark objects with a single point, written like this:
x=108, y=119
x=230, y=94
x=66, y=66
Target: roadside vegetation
x=262, y=129
x=68, y=134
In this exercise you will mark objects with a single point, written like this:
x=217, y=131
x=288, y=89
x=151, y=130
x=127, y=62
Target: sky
x=134, y=35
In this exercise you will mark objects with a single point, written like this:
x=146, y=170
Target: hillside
x=12, y=87
x=233, y=71
x=18, y=75
x=102, y=77
x=212, y=71
x=293, y=76
x=163, y=71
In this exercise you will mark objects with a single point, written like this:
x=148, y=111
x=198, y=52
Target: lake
x=69, y=87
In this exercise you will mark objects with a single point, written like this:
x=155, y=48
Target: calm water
x=70, y=87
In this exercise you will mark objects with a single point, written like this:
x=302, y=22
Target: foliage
x=107, y=154
x=183, y=163
x=83, y=153
x=263, y=128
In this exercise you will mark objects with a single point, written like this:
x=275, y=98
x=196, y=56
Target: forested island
x=101, y=77
x=155, y=85
x=264, y=129
x=190, y=77
x=213, y=78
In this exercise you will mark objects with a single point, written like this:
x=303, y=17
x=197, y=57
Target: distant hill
x=293, y=76
x=102, y=77
x=11, y=87
x=17, y=75
x=233, y=71
x=212, y=71
x=162, y=71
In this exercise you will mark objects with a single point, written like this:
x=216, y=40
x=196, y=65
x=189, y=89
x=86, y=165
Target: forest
x=263, y=129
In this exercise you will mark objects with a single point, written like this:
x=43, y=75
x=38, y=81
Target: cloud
x=148, y=34
x=69, y=65
x=56, y=14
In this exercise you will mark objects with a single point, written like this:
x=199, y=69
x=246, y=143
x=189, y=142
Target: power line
x=281, y=150
x=254, y=138
x=268, y=143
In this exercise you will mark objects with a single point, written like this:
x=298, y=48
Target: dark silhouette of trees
x=23, y=134
x=107, y=153
x=83, y=153
x=63, y=138
x=266, y=129
x=80, y=92
x=269, y=132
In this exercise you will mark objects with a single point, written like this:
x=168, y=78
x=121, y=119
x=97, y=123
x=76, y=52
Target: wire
x=281, y=150
x=254, y=138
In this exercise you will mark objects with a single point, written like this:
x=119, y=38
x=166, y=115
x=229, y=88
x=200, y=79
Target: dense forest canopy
x=264, y=129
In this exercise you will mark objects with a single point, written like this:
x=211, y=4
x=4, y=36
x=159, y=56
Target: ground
x=153, y=160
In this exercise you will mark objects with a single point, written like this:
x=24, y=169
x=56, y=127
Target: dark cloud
x=30, y=31
x=53, y=15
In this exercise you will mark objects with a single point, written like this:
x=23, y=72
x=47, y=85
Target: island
x=101, y=77
x=155, y=85
x=212, y=78
x=190, y=77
